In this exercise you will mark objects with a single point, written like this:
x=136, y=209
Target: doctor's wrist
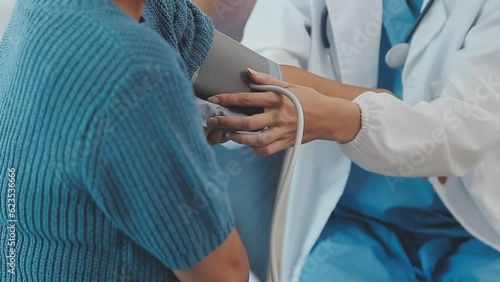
x=344, y=121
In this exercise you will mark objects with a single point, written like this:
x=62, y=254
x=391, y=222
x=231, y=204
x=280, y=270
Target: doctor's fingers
x=266, y=79
x=262, y=139
x=249, y=99
x=249, y=123
x=215, y=137
x=272, y=148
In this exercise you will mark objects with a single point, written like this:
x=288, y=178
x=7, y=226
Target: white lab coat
x=448, y=124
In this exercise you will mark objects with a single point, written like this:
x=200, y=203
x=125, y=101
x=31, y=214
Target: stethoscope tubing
x=419, y=21
x=325, y=16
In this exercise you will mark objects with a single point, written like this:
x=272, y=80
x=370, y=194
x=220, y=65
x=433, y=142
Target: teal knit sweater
x=105, y=174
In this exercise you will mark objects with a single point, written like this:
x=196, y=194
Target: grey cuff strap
x=275, y=70
x=225, y=70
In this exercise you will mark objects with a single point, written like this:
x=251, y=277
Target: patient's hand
x=215, y=137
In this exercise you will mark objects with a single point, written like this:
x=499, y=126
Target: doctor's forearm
x=323, y=85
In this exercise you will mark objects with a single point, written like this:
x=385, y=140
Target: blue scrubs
x=396, y=229
x=252, y=183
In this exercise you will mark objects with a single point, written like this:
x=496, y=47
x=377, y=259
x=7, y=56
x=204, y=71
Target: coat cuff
x=362, y=137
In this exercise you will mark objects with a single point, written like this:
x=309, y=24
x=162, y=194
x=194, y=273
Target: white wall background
x=6, y=7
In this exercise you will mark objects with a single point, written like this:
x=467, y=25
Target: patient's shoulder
x=141, y=45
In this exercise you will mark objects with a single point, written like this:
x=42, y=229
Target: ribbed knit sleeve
x=154, y=174
x=184, y=26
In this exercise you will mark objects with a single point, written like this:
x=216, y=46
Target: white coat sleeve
x=449, y=136
x=277, y=30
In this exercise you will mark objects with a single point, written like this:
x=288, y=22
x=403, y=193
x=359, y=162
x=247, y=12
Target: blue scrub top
x=409, y=203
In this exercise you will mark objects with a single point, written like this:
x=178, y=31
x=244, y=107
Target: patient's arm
x=323, y=85
x=227, y=263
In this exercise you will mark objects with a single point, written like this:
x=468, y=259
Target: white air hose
x=281, y=199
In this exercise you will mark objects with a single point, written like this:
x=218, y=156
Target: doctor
x=348, y=222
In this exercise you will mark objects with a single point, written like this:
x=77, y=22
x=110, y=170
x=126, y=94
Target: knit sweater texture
x=105, y=174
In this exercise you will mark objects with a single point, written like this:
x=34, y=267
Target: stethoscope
x=397, y=55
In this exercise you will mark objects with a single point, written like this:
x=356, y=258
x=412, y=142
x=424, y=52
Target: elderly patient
x=101, y=148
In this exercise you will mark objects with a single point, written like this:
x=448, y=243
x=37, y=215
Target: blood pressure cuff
x=225, y=71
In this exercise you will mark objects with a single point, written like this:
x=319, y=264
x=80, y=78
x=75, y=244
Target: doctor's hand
x=215, y=137
x=326, y=118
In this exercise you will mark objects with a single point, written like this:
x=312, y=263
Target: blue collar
x=399, y=18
